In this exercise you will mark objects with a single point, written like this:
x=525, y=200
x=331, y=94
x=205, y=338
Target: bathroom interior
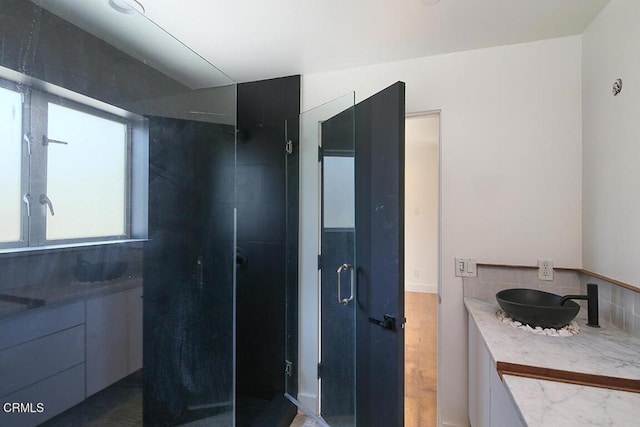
x=181, y=195
x=178, y=222
x=182, y=220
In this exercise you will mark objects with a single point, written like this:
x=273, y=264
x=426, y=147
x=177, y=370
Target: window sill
x=11, y=252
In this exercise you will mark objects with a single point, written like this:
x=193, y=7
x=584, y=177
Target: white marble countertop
x=65, y=293
x=600, y=351
x=549, y=403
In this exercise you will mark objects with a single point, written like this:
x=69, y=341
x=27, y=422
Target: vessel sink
x=99, y=272
x=537, y=308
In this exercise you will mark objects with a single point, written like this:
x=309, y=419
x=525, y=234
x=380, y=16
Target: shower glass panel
x=292, y=199
x=152, y=154
x=329, y=130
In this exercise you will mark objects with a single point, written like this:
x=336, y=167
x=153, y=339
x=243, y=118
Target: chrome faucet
x=592, y=304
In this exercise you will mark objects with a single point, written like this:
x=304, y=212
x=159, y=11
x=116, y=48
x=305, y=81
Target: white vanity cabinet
x=489, y=402
x=42, y=357
x=59, y=355
x=134, y=301
x=114, y=338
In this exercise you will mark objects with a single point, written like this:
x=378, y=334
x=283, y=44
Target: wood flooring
x=420, y=368
x=421, y=338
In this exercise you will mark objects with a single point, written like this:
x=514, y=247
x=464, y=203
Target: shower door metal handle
x=342, y=268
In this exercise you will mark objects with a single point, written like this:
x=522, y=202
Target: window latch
x=44, y=200
x=27, y=140
x=46, y=141
x=26, y=198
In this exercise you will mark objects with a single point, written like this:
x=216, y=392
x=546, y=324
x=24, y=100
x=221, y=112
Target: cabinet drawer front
x=57, y=394
x=29, y=326
x=31, y=362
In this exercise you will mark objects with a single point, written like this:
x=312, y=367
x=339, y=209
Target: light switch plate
x=466, y=267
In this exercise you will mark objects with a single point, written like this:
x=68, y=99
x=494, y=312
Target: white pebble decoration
x=567, y=331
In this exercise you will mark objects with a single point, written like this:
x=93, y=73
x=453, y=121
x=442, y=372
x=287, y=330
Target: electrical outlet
x=466, y=267
x=545, y=270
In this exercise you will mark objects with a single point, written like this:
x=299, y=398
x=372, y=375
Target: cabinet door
x=39, y=323
x=503, y=409
x=479, y=379
x=57, y=393
x=134, y=297
x=489, y=402
x=107, y=341
x=36, y=360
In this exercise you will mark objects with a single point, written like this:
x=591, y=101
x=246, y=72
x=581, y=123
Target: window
x=86, y=176
x=10, y=165
x=339, y=191
x=65, y=170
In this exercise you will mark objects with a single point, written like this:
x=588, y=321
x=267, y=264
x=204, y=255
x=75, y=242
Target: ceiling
x=252, y=40
x=257, y=39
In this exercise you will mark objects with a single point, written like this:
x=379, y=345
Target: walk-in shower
x=207, y=282
x=204, y=237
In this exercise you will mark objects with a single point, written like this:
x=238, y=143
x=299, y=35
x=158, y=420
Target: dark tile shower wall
x=194, y=186
x=265, y=110
x=188, y=288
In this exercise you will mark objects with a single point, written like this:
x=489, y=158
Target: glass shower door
x=170, y=153
x=330, y=129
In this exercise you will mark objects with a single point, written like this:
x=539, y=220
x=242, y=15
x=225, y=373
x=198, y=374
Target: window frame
x=35, y=114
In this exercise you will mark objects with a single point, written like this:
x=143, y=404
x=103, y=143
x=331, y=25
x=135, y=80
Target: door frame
x=437, y=112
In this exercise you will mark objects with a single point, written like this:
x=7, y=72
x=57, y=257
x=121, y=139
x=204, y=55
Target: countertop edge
x=85, y=292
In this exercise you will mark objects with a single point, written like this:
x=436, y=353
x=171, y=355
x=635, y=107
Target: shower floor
x=248, y=409
x=119, y=405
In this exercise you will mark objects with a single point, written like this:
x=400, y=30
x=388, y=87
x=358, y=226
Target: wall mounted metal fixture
x=617, y=87
x=128, y=7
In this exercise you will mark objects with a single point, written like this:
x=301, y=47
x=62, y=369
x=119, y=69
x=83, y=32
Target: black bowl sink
x=537, y=308
x=99, y=272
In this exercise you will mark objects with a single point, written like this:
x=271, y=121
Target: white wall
x=422, y=134
x=510, y=169
x=611, y=142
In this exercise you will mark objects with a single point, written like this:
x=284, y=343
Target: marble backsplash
x=617, y=305
x=492, y=279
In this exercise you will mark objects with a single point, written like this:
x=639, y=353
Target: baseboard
x=306, y=411
x=308, y=402
x=421, y=287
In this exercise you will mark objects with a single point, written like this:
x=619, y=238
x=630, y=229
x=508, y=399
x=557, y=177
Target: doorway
x=352, y=203
x=421, y=267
